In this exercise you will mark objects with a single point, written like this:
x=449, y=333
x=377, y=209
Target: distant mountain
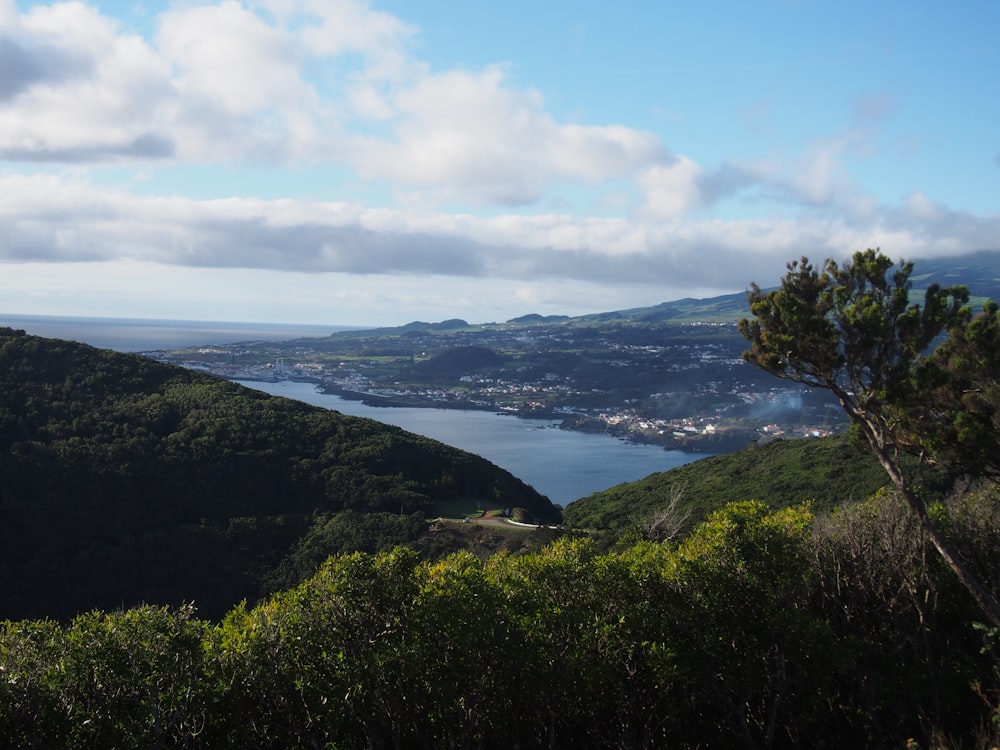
x=979, y=272
x=445, y=325
x=416, y=327
x=125, y=480
x=536, y=318
x=723, y=309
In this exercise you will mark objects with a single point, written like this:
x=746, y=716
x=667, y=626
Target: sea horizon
x=151, y=334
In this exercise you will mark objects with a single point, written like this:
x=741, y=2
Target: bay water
x=564, y=465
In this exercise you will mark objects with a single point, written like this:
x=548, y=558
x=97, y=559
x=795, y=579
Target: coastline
x=384, y=401
x=564, y=465
x=720, y=443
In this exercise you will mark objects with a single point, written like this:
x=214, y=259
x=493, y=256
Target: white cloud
x=369, y=102
x=671, y=190
x=336, y=27
x=88, y=93
x=920, y=206
x=343, y=27
x=230, y=56
x=464, y=135
x=219, y=84
x=8, y=14
x=816, y=179
x=60, y=220
x=241, y=94
x=818, y=173
x=293, y=80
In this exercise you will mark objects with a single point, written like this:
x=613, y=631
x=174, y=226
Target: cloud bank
x=52, y=219
x=478, y=178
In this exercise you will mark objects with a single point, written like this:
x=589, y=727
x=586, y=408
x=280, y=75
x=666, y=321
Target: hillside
x=125, y=480
x=979, y=272
x=827, y=472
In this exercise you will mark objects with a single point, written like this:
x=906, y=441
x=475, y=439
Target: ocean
x=139, y=335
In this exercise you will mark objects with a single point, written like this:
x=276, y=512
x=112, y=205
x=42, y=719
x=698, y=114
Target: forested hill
x=826, y=472
x=124, y=480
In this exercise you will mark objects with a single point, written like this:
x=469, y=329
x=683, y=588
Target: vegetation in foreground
x=761, y=629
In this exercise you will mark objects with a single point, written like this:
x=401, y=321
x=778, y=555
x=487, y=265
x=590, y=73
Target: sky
x=342, y=162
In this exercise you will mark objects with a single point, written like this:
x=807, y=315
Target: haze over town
x=352, y=163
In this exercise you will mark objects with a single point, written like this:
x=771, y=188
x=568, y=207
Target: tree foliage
x=762, y=629
x=852, y=330
x=949, y=409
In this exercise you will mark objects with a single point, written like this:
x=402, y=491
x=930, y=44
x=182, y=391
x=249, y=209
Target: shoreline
x=388, y=402
x=692, y=445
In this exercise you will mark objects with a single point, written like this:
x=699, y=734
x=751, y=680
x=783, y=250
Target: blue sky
x=351, y=163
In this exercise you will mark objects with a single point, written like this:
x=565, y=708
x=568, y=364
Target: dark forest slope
x=125, y=480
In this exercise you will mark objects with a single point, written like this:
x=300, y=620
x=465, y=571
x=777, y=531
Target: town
x=681, y=385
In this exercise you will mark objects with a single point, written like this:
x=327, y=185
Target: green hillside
x=980, y=272
x=124, y=480
x=827, y=472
